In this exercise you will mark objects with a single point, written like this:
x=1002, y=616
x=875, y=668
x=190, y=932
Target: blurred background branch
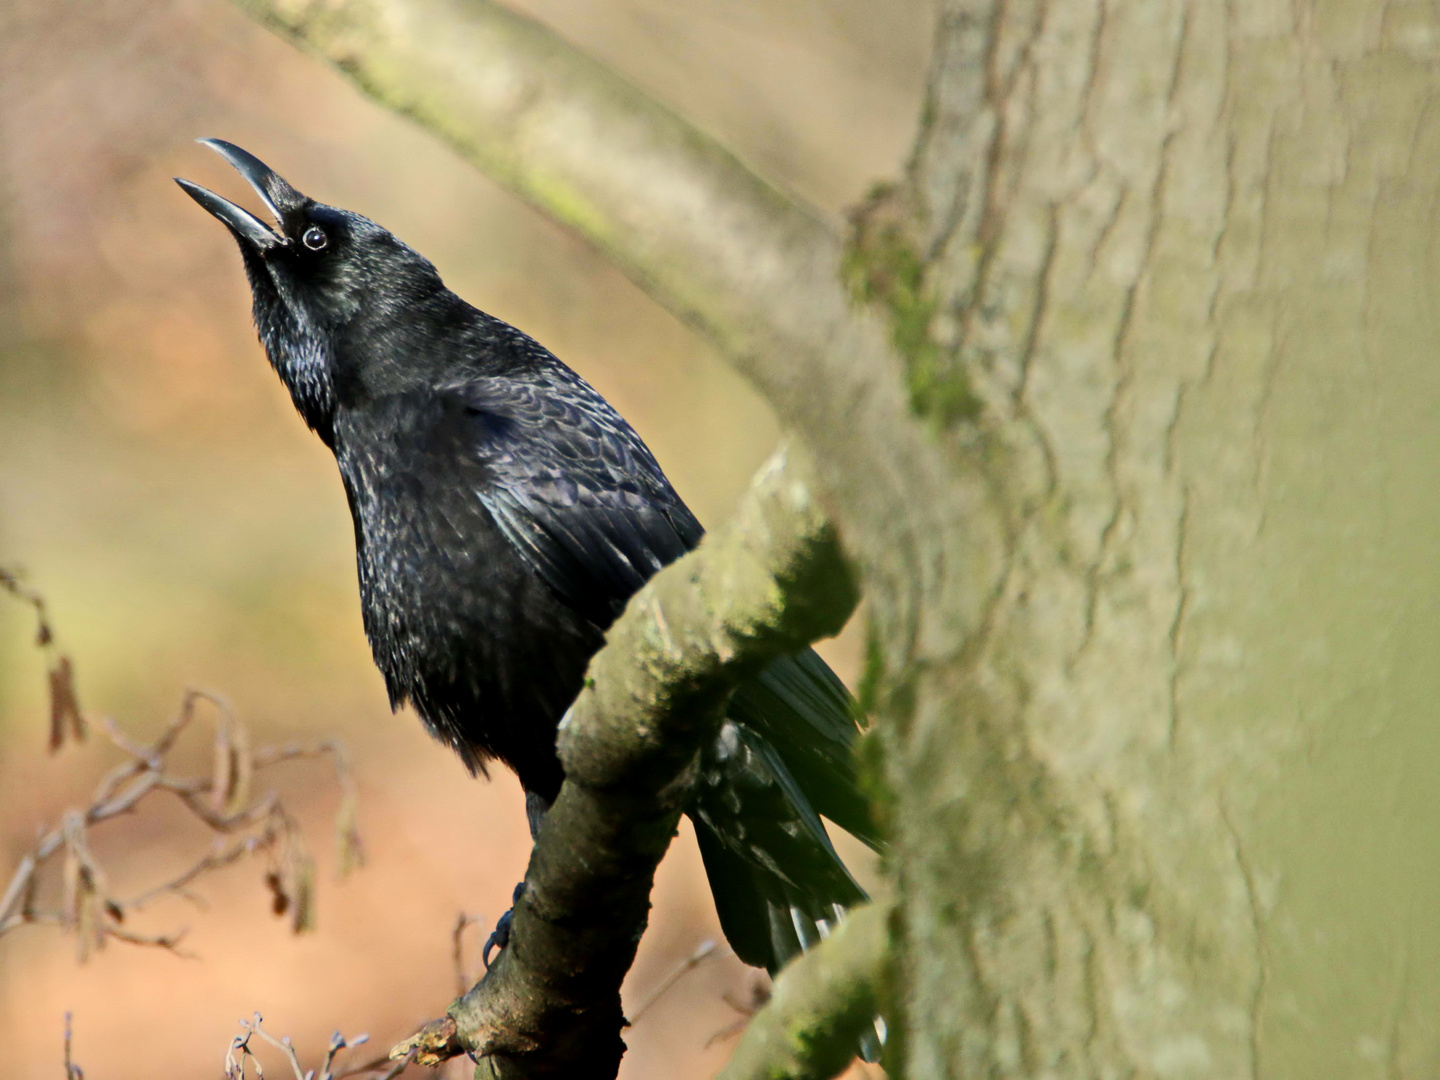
x=720, y=246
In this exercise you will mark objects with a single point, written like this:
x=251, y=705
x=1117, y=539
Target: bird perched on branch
x=504, y=514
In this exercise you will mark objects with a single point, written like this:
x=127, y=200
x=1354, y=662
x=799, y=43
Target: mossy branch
x=820, y=1005
x=754, y=268
x=768, y=583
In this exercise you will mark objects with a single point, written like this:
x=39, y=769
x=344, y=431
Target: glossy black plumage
x=504, y=514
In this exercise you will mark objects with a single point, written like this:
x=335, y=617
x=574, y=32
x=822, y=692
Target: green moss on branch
x=820, y=1005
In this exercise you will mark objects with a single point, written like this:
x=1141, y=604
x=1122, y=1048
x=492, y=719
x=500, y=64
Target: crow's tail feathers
x=785, y=750
x=766, y=921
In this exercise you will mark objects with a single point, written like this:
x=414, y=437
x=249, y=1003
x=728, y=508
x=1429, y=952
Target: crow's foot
x=500, y=936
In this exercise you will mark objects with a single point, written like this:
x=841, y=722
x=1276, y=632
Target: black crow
x=504, y=513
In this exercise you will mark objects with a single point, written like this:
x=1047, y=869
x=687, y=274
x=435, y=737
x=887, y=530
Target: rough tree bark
x=1184, y=255
x=1122, y=402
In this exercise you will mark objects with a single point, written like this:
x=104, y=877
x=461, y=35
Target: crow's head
x=321, y=277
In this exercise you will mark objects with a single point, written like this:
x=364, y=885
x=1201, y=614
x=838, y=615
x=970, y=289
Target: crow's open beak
x=278, y=197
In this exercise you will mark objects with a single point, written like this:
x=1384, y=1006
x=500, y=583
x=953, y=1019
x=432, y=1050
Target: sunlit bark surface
x=1185, y=254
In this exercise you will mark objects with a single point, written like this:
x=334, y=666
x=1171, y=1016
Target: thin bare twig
x=759, y=998
x=66, y=720
x=243, y=823
x=398, y=1067
x=72, y=1071
x=706, y=950
x=457, y=950
x=239, y=1055
x=375, y=1064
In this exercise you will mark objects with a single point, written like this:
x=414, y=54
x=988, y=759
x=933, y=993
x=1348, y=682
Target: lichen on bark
x=883, y=266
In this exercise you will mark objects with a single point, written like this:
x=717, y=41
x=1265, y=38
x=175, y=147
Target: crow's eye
x=314, y=238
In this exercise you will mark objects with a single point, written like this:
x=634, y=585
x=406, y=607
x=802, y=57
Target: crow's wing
x=575, y=490
x=580, y=496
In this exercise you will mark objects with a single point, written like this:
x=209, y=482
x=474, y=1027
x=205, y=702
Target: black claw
x=500, y=936
x=498, y=939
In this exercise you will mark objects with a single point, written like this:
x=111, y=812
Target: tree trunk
x=1163, y=276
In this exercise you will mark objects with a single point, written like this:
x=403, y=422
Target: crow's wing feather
x=582, y=499
x=806, y=714
x=575, y=490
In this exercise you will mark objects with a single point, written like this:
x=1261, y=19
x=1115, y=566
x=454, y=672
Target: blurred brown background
x=187, y=530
